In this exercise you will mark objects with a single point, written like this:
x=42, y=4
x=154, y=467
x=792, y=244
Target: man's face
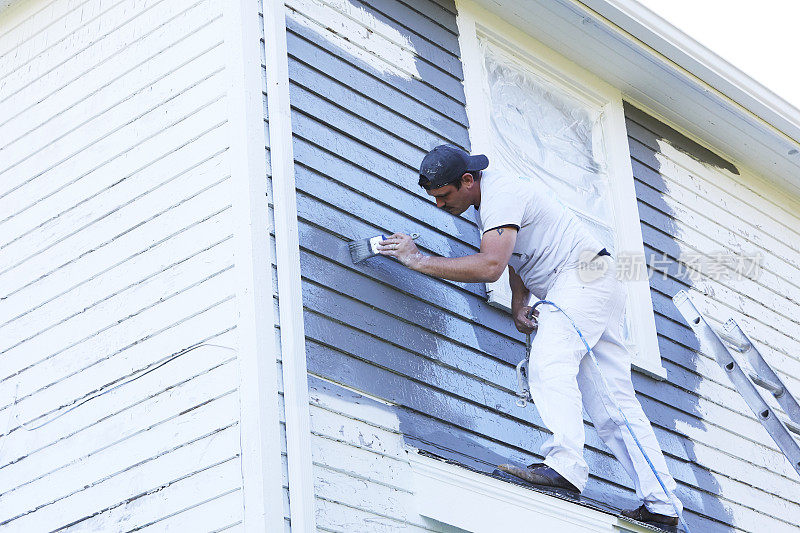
x=453, y=200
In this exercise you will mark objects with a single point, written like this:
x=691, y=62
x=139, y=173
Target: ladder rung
x=746, y=376
x=733, y=342
x=776, y=390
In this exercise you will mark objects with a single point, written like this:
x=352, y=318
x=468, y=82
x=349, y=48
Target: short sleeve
x=502, y=206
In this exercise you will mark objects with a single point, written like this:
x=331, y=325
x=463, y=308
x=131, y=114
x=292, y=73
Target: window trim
x=478, y=503
x=646, y=357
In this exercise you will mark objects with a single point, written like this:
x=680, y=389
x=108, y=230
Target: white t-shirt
x=550, y=237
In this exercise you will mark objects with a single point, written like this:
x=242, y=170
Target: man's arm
x=519, y=294
x=519, y=301
x=485, y=266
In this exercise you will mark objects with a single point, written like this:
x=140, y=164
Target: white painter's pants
x=562, y=374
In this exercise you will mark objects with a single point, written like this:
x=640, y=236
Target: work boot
x=540, y=474
x=643, y=515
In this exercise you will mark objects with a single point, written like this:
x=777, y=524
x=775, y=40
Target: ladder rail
x=741, y=380
x=767, y=377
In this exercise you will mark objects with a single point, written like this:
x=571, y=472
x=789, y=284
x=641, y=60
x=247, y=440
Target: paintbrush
x=366, y=248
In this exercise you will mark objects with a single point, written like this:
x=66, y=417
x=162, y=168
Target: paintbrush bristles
x=365, y=248
x=359, y=250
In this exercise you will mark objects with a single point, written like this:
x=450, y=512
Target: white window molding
x=477, y=503
x=474, y=22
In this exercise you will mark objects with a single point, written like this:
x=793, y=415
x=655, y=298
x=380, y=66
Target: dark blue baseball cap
x=447, y=163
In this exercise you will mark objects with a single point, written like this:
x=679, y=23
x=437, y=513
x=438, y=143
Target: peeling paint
x=360, y=34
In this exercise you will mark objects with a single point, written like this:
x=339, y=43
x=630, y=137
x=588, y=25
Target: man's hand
x=483, y=267
x=521, y=321
x=401, y=247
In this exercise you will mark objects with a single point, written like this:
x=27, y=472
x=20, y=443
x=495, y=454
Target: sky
x=759, y=37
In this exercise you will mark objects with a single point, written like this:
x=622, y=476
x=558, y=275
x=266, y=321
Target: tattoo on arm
x=500, y=231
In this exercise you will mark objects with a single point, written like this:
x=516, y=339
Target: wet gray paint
x=432, y=347
x=678, y=140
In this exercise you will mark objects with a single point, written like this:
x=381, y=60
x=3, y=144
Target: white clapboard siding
x=26, y=193
x=363, y=477
x=207, y=284
x=71, y=323
x=170, y=466
x=179, y=500
x=116, y=253
x=141, y=267
x=114, y=59
x=101, y=465
x=116, y=136
x=160, y=229
x=688, y=206
x=764, y=205
x=218, y=513
x=169, y=404
x=698, y=198
x=115, y=412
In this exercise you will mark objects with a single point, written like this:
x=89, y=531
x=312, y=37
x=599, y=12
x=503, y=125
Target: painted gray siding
x=373, y=87
x=365, y=110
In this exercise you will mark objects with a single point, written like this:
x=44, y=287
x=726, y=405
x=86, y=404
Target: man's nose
x=439, y=202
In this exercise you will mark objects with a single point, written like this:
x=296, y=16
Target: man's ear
x=467, y=180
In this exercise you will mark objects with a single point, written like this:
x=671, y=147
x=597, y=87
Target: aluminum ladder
x=746, y=368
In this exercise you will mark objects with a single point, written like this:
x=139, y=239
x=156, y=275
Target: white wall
x=697, y=210
x=116, y=252
x=363, y=478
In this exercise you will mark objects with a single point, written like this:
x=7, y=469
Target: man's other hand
x=521, y=321
x=401, y=247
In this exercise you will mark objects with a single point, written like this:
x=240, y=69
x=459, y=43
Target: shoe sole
x=662, y=527
x=508, y=475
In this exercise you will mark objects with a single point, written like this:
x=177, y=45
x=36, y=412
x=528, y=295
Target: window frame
x=473, y=20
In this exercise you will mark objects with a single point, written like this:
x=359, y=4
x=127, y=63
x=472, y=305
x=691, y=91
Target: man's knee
x=606, y=428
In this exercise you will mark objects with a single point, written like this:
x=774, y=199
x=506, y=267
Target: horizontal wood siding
x=374, y=85
x=116, y=252
x=689, y=204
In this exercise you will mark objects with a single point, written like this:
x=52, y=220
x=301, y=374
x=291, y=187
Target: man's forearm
x=519, y=294
x=476, y=268
x=519, y=298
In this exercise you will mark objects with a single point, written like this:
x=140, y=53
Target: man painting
x=542, y=243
